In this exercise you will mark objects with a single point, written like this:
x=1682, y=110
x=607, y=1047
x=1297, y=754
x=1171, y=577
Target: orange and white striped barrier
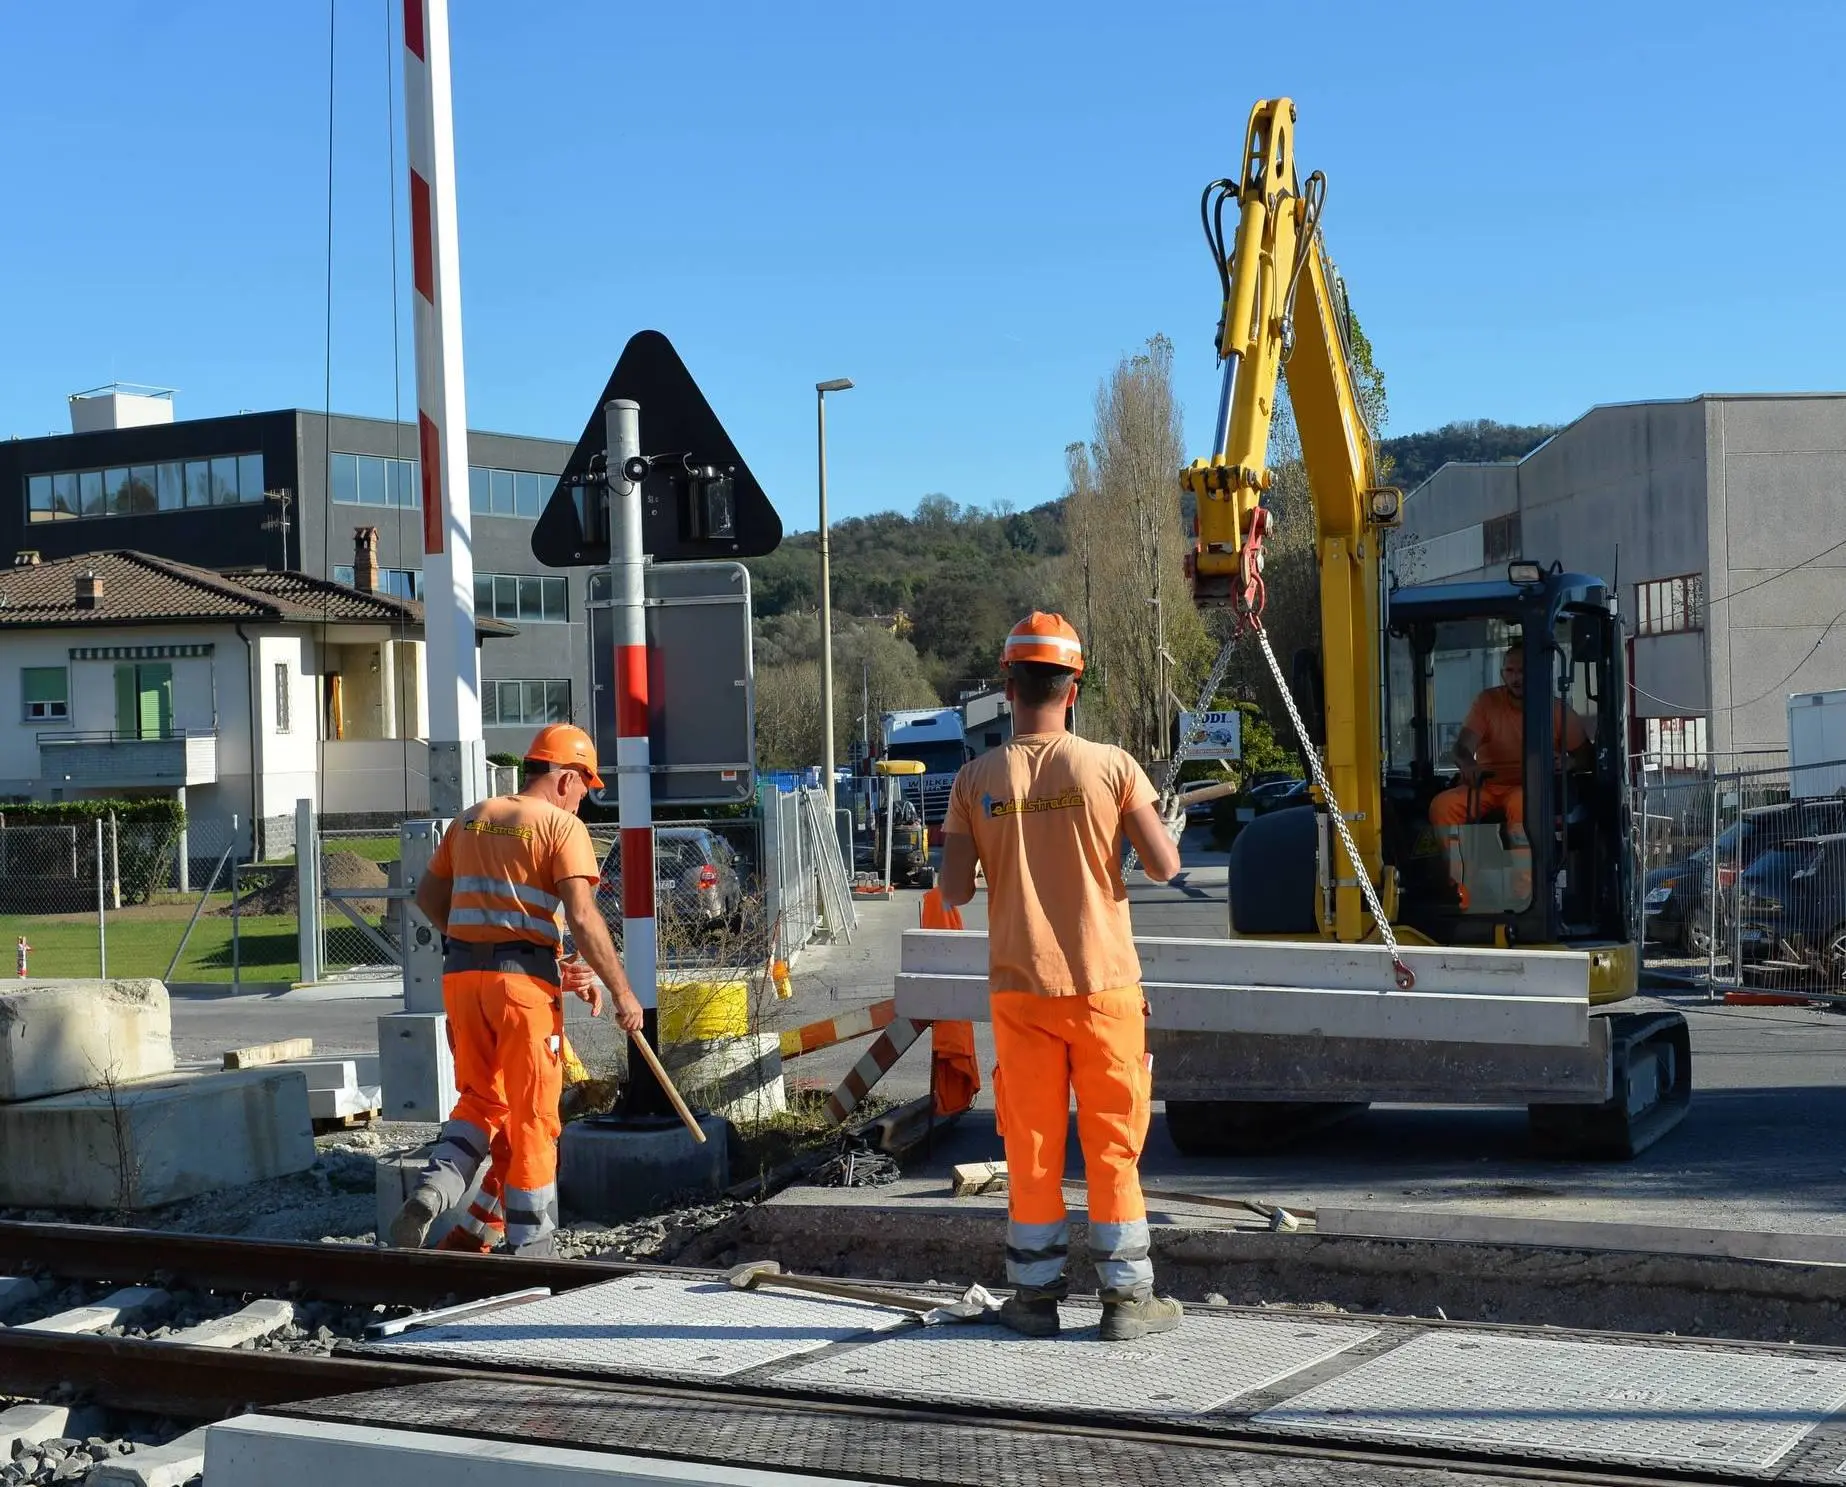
x=876, y=1063
x=848, y=1025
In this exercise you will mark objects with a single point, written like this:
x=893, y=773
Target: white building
x=240, y=693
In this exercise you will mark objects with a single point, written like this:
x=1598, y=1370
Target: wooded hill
x=961, y=575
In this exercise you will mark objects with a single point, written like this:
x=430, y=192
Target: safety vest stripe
x=535, y=898
x=504, y=919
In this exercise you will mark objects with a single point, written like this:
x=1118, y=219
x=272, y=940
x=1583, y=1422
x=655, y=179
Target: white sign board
x=1220, y=735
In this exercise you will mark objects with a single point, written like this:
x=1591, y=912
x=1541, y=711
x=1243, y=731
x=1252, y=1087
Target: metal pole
x=115, y=862
x=457, y=760
x=890, y=826
x=237, y=949
x=633, y=780
x=826, y=614
x=102, y=922
x=1711, y=894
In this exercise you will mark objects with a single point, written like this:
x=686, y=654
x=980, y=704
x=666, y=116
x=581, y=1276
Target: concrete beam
x=1583, y=1234
x=31, y=1425
x=1303, y=965
x=268, y=1451
x=1277, y=1011
x=342, y=1104
x=143, y=1145
x=130, y=1304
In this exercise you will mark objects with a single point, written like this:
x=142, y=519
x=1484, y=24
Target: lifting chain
x=1169, y=776
x=1406, y=978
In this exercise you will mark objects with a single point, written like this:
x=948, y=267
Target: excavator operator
x=1490, y=752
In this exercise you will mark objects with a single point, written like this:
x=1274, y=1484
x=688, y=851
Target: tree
x=866, y=658
x=1144, y=641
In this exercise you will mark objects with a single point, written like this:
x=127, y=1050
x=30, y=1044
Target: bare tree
x=1125, y=578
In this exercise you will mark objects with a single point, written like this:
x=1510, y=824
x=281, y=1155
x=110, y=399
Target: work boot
x=1126, y=1317
x=1031, y=1312
x=411, y=1226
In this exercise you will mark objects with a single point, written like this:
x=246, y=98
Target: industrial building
x=1721, y=522
x=289, y=489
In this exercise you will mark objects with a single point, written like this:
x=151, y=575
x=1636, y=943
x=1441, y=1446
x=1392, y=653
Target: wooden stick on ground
x=666, y=1083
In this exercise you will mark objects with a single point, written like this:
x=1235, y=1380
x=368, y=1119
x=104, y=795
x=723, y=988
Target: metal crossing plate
x=646, y=1325
x=1206, y=1362
x=1573, y=1400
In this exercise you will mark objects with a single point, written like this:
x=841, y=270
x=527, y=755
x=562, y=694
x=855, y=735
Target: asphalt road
x=1761, y=1149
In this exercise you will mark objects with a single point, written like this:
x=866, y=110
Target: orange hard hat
x=566, y=744
x=1047, y=638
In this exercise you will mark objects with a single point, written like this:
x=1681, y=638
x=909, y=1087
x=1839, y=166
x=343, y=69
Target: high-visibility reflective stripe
x=1063, y=643
x=531, y=1213
x=1120, y=1254
x=1035, y=1253
x=535, y=898
x=504, y=919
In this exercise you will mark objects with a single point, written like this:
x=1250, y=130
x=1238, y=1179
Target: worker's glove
x=1173, y=817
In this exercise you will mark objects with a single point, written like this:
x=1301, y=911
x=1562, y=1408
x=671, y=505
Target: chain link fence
x=1743, y=879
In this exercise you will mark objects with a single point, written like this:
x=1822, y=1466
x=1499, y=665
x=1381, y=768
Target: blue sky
x=970, y=210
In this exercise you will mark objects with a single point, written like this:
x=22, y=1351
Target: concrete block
x=342, y=1104
x=30, y=1424
x=131, y=1304
x=171, y=1465
x=59, y=1036
x=16, y=1291
x=613, y=1172
x=737, y=1078
x=338, y=1073
x=415, y=1067
x=288, y=1050
x=397, y=1179
x=156, y=1142
x=258, y=1319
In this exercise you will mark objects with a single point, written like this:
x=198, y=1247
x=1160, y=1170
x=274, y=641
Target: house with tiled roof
x=239, y=692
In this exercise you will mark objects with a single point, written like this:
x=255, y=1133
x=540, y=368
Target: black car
x=1679, y=907
x=1791, y=904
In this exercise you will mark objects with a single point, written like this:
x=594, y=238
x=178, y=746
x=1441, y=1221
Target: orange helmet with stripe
x=568, y=745
x=1049, y=639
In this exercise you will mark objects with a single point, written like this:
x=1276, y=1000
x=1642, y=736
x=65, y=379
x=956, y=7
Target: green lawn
x=141, y=942
x=379, y=849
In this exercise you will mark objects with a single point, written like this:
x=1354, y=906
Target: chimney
x=365, y=559
x=89, y=589
x=26, y=558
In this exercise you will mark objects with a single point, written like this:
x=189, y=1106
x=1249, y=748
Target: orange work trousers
x=506, y=1032
x=1450, y=808
x=1046, y=1047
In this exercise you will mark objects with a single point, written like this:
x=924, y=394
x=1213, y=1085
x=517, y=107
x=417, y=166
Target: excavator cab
x=1531, y=851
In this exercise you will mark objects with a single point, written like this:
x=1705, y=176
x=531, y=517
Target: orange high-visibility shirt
x=1497, y=718
x=1045, y=812
x=505, y=858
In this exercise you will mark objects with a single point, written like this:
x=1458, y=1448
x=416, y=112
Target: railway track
x=729, y=1423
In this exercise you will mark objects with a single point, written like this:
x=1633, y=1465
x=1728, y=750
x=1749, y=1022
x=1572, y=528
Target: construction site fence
x=1716, y=890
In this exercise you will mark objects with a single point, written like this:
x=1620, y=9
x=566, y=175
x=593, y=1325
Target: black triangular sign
x=675, y=420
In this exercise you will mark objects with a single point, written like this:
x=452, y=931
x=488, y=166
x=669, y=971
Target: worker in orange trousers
x=505, y=873
x=1045, y=816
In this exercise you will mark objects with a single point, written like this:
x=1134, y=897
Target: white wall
x=289, y=762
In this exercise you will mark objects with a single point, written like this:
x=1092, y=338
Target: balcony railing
x=103, y=758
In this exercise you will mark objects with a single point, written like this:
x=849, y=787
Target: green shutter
x=155, y=702
x=45, y=684
x=127, y=723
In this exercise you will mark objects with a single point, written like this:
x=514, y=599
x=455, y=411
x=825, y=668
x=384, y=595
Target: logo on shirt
x=1069, y=800
x=483, y=828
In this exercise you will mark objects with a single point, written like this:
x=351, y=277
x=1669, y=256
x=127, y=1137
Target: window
x=525, y=703
x=518, y=493
x=1500, y=539
x=135, y=490
x=517, y=596
x=374, y=480
x=1668, y=606
x=399, y=583
x=1677, y=743
x=282, y=716
x=46, y=692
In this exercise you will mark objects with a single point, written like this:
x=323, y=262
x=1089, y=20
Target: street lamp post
x=821, y=389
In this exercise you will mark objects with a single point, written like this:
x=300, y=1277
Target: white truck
x=933, y=737
x=1816, y=743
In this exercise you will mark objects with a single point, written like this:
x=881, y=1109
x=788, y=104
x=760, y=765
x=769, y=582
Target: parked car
x=1791, y=903
x=696, y=882
x=1678, y=905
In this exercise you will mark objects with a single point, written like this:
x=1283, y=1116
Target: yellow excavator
x=1380, y=712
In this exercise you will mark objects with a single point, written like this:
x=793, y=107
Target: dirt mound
x=344, y=871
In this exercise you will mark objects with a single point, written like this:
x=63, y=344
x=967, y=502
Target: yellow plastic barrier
x=700, y=1011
